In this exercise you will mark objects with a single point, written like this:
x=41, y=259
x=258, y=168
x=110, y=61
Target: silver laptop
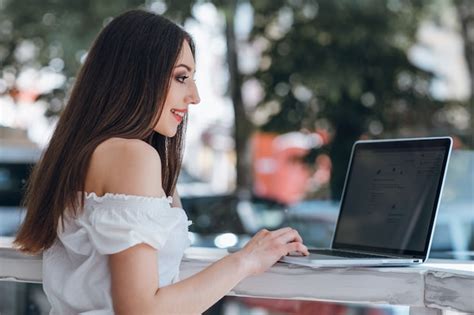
x=389, y=204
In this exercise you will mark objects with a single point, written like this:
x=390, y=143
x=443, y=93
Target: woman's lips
x=178, y=114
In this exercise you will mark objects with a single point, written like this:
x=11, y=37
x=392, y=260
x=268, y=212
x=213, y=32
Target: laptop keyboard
x=330, y=252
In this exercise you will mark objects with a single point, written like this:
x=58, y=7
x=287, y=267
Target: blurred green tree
x=51, y=30
x=465, y=11
x=243, y=126
x=343, y=64
x=340, y=65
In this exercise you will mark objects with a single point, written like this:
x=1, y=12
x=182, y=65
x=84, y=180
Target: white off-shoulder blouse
x=76, y=277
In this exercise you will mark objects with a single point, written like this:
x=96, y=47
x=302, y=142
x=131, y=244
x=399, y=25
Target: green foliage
x=349, y=55
x=344, y=62
x=324, y=62
x=61, y=31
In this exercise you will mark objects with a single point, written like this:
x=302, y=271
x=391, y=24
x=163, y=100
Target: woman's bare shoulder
x=134, y=148
x=128, y=166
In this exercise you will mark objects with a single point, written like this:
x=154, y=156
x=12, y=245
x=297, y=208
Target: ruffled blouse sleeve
x=114, y=222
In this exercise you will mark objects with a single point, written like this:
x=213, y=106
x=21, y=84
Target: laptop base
x=322, y=261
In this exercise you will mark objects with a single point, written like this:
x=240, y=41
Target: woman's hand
x=267, y=247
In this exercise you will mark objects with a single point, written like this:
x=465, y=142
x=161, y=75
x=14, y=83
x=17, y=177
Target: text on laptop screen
x=390, y=197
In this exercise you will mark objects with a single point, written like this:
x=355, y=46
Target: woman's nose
x=193, y=97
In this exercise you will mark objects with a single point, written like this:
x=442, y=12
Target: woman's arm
x=205, y=288
x=135, y=280
x=134, y=271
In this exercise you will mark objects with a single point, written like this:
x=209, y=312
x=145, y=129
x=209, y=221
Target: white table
x=428, y=289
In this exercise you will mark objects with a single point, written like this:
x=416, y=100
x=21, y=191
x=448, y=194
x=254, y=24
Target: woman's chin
x=167, y=133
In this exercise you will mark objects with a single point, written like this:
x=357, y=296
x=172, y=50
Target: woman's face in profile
x=182, y=92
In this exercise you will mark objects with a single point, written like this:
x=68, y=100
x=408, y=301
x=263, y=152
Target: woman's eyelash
x=182, y=78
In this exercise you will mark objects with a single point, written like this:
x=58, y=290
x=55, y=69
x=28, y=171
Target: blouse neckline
x=119, y=196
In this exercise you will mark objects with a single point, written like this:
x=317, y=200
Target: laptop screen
x=391, y=196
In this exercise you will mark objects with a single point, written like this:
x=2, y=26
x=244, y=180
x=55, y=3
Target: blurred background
x=286, y=87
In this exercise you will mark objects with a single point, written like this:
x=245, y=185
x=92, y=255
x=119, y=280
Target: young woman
x=112, y=240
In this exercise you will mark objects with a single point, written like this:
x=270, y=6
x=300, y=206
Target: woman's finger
x=290, y=236
x=281, y=231
x=296, y=247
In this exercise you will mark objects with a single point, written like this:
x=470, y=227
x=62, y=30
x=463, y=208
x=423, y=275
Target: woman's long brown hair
x=119, y=92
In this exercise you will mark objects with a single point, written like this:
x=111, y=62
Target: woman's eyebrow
x=185, y=66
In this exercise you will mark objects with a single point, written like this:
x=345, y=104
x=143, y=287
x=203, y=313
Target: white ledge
x=438, y=284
